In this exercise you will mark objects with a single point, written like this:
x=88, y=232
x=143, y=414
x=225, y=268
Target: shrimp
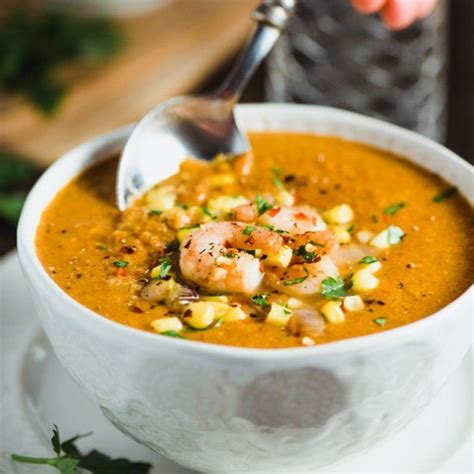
x=292, y=219
x=302, y=279
x=215, y=258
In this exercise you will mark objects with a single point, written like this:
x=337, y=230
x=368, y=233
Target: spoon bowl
x=201, y=127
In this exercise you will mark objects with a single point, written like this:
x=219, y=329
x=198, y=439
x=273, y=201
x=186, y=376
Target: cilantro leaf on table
x=70, y=460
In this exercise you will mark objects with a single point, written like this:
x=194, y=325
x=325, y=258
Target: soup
x=305, y=241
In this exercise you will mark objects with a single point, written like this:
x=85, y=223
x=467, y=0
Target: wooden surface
x=168, y=52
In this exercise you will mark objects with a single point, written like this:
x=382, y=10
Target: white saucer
x=37, y=392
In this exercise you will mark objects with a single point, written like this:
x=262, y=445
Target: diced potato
x=373, y=267
x=353, y=303
x=342, y=235
x=285, y=198
x=380, y=240
x=363, y=236
x=364, y=281
x=388, y=237
x=235, y=313
x=333, y=313
x=167, y=324
x=220, y=180
x=200, y=315
x=216, y=298
x=278, y=315
x=282, y=259
x=162, y=198
x=226, y=203
x=342, y=214
x=182, y=233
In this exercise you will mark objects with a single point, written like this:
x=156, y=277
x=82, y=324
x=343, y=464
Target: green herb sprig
x=69, y=459
x=334, y=287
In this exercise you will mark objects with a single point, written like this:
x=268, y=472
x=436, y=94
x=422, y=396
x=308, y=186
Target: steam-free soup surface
x=397, y=237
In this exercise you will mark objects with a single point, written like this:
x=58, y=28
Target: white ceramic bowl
x=216, y=408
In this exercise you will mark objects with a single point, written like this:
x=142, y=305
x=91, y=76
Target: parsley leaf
x=206, y=211
x=155, y=212
x=368, y=259
x=120, y=263
x=304, y=254
x=276, y=178
x=70, y=460
x=260, y=300
x=394, y=208
x=445, y=194
x=334, y=287
x=380, y=321
x=248, y=229
x=262, y=205
x=296, y=281
x=165, y=267
x=171, y=333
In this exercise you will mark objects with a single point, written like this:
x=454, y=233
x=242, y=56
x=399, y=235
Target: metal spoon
x=197, y=126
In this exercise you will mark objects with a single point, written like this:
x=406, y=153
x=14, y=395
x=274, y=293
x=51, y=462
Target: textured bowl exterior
x=222, y=409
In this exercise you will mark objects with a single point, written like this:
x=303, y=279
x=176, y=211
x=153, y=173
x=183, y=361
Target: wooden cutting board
x=168, y=52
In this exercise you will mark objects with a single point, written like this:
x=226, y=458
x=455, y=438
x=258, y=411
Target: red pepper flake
x=136, y=309
x=121, y=272
x=274, y=211
x=128, y=249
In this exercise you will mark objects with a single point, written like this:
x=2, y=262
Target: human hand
x=396, y=14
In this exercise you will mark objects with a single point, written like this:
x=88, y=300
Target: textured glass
x=334, y=56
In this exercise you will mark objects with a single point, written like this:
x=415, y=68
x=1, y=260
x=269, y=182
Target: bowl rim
x=34, y=270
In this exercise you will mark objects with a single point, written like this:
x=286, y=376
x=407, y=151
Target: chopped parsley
x=316, y=244
x=205, y=210
x=155, y=212
x=248, y=229
x=304, y=254
x=262, y=205
x=164, y=268
x=296, y=281
x=286, y=310
x=120, y=263
x=445, y=194
x=260, y=300
x=368, y=259
x=172, y=333
x=395, y=235
x=394, y=208
x=351, y=228
x=380, y=321
x=228, y=254
x=334, y=287
x=276, y=178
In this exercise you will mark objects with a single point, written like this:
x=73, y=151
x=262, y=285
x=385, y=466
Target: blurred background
x=74, y=69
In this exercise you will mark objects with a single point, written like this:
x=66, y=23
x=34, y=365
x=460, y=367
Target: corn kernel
x=226, y=203
x=307, y=341
x=388, y=237
x=363, y=236
x=373, y=267
x=235, y=313
x=353, y=303
x=162, y=198
x=281, y=259
x=216, y=298
x=332, y=312
x=341, y=234
x=278, y=315
x=220, y=180
x=183, y=232
x=220, y=309
x=199, y=315
x=342, y=214
x=166, y=324
x=364, y=281
x=284, y=198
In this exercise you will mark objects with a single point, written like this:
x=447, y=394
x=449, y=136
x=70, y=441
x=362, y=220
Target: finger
x=368, y=6
x=424, y=8
x=398, y=14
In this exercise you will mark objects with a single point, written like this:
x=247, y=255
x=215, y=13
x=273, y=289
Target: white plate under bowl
x=36, y=392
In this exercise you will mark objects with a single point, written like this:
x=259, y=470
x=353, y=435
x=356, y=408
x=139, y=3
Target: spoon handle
x=271, y=16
